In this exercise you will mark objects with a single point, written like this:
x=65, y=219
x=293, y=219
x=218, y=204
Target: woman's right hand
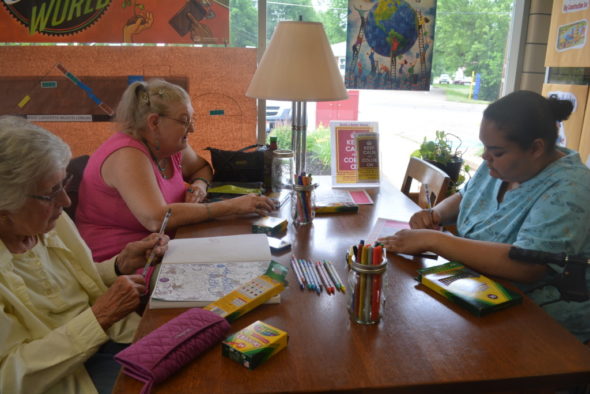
x=425, y=219
x=253, y=203
x=121, y=299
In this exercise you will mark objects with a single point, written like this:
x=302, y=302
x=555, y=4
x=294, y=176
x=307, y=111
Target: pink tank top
x=103, y=219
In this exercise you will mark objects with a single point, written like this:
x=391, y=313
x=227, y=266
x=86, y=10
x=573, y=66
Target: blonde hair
x=28, y=154
x=142, y=98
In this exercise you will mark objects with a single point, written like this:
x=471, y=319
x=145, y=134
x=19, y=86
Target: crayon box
x=475, y=292
x=270, y=225
x=253, y=345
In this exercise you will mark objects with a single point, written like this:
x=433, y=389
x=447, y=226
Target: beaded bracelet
x=201, y=179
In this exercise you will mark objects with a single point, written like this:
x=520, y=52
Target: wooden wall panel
x=217, y=81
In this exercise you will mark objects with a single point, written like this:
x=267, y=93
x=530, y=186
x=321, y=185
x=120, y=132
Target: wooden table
x=423, y=344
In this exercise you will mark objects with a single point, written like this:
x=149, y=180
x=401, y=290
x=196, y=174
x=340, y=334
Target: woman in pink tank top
x=140, y=172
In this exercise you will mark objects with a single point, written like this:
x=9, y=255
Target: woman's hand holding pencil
x=152, y=255
x=427, y=218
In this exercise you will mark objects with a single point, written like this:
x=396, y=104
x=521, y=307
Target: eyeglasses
x=188, y=123
x=58, y=189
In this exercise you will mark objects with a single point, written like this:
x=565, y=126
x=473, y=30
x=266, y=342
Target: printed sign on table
x=355, y=154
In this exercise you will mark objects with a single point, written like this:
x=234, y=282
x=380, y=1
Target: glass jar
x=303, y=204
x=282, y=170
x=366, y=296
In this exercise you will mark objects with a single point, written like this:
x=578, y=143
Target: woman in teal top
x=528, y=193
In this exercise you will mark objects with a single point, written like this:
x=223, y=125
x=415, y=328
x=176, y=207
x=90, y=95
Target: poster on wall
x=567, y=44
x=389, y=44
x=115, y=21
x=355, y=154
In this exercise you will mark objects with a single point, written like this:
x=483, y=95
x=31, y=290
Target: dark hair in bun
x=525, y=116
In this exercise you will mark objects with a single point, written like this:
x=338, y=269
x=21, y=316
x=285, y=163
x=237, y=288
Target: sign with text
x=355, y=154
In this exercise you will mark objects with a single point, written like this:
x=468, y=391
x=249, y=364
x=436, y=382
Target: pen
x=150, y=259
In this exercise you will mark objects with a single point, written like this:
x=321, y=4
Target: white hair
x=28, y=154
x=142, y=98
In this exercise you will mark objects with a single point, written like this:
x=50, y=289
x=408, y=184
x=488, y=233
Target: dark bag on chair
x=243, y=165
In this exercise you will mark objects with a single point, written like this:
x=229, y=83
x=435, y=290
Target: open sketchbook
x=197, y=271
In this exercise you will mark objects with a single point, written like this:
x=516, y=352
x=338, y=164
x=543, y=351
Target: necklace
x=161, y=168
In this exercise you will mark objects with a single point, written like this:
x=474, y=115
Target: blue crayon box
x=253, y=345
x=270, y=225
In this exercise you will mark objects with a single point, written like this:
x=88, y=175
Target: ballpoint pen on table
x=153, y=253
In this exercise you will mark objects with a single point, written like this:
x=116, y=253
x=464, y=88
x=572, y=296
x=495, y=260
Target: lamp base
x=299, y=134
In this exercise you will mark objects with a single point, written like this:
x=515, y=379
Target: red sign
x=115, y=21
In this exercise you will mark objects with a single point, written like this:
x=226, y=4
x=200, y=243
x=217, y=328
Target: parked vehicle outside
x=277, y=113
x=463, y=81
x=444, y=79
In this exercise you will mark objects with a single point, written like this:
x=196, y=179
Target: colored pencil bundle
x=368, y=265
x=317, y=276
x=302, y=201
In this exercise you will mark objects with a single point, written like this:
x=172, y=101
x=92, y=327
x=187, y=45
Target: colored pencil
x=297, y=273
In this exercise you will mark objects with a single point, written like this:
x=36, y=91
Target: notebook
x=197, y=271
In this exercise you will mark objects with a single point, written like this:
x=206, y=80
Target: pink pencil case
x=165, y=350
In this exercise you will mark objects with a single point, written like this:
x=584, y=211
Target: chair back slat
x=437, y=180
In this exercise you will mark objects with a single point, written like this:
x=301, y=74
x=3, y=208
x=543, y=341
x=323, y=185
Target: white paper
x=232, y=248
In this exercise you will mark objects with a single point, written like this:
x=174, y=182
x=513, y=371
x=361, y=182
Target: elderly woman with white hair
x=61, y=315
x=139, y=173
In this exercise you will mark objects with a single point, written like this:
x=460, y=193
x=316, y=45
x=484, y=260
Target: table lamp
x=298, y=65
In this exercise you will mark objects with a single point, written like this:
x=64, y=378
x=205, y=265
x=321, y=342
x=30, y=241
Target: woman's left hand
x=410, y=241
x=135, y=254
x=196, y=192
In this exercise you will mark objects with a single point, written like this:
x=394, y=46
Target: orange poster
x=115, y=21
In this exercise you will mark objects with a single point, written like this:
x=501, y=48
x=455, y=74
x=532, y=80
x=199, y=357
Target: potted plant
x=444, y=152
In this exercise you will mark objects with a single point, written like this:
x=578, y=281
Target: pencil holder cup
x=366, y=296
x=302, y=204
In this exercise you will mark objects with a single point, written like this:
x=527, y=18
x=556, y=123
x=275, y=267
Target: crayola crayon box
x=253, y=345
x=270, y=225
x=473, y=291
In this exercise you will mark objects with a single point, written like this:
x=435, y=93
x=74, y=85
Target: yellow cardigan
x=47, y=329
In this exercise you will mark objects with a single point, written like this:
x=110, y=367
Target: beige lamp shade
x=298, y=65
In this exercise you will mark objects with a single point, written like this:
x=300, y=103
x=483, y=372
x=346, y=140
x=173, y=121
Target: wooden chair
x=426, y=173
